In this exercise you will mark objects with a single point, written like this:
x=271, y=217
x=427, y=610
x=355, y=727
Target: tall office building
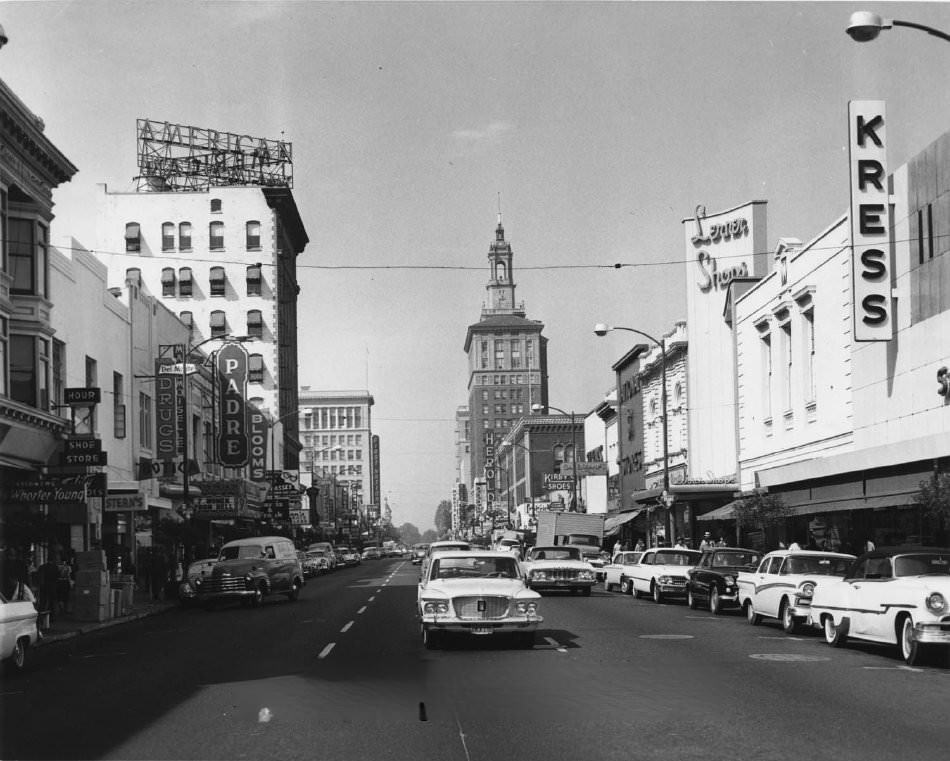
x=507, y=360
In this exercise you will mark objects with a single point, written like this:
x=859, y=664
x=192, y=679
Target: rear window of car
x=923, y=564
x=818, y=565
x=734, y=558
x=677, y=558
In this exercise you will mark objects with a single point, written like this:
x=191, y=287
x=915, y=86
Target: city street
x=342, y=674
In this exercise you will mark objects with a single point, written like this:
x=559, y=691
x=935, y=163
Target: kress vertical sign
x=870, y=222
x=231, y=366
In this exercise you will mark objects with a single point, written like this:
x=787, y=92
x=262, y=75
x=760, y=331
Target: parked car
x=446, y=545
x=313, y=562
x=418, y=553
x=348, y=556
x=559, y=567
x=18, y=631
x=782, y=585
x=596, y=557
x=662, y=572
x=476, y=593
x=898, y=596
x=327, y=549
x=251, y=569
x=617, y=571
x=371, y=553
x=713, y=581
x=196, y=570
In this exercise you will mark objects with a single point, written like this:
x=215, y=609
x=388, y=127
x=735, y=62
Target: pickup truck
x=783, y=584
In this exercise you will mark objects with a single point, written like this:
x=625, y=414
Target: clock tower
x=501, y=286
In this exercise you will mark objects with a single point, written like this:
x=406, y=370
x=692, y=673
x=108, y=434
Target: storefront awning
x=724, y=513
x=613, y=523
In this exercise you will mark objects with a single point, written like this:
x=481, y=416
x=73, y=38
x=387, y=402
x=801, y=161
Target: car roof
x=449, y=543
x=253, y=540
x=808, y=553
x=882, y=552
x=733, y=549
x=480, y=554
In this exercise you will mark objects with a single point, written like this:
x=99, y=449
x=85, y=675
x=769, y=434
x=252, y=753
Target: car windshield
x=936, y=563
x=676, y=558
x=241, y=551
x=471, y=568
x=733, y=558
x=821, y=565
x=555, y=553
x=450, y=548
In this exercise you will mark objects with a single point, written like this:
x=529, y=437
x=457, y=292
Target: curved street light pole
x=667, y=499
x=539, y=407
x=864, y=26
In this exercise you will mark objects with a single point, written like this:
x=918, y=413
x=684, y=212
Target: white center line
x=347, y=627
x=360, y=611
x=372, y=598
x=326, y=651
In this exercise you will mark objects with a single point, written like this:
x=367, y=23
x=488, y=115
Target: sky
x=597, y=128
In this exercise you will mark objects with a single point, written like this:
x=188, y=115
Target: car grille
x=467, y=608
x=677, y=581
x=225, y=583
x=558, y=574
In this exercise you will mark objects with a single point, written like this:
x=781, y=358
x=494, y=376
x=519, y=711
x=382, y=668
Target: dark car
x=251, y=569
x=712, y=581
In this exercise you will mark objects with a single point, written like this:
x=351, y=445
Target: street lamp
x=540, y=408
x=864, y=26
x=667, y=499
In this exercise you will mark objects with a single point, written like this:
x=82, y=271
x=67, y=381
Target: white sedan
x=662, y=572
x=477, y=593
x=559, y=567
x=18, y=630
x=899, y=597
x=619, y=571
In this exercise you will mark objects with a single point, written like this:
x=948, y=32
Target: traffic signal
x=943, y=382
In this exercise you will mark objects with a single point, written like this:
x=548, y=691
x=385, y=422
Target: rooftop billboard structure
x=178, y=157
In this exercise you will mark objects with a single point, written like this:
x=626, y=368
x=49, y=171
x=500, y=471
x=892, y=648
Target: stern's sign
x=870, y=222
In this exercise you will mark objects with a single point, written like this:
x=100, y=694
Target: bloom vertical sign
x=870, y=222
x=231, y=366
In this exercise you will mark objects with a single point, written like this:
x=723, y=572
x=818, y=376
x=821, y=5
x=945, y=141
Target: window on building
x=486, y=409
x=485, y=395
x=253, y=235
x=499, y=354
x=216, y=281
x=255, y=368
x=499, y=409
x=215, y=205
x=808, y=353
x=787, y=358
x=145, y=420
x=515, y=353
x=118, y=405
x=255, y=323
x=133, y=275
x=184, y=236
x=219, y=324
x=529, y=352
x=168, y=236
x=43, y=373
x=766, y=344
x=27, y=256
x=254, y=280
x=59, y=373
x=185, y=282
x=23, y=369
x=168, y=281
x=133, y=237
x=4, y=355
x=216, y=235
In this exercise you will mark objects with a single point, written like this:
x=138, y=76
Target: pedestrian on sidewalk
x=64, y=585
x=49, y=576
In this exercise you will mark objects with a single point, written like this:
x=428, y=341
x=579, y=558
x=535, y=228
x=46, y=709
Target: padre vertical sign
x=870, y=222
x=231, y=366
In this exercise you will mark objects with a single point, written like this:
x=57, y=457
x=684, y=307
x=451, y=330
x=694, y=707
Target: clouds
x=490, y=133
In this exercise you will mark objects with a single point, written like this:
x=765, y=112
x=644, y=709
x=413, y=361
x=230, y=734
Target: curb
x=93, y=626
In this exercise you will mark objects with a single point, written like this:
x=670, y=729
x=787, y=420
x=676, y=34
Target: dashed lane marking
x=666, y=636
x=326, y=651
x=789, y=657
x=372, y=598
x=360, y=611
x=346, y=628
x=894, y=668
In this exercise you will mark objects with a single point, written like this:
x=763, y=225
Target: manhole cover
x=788, y=657
x=666, y=636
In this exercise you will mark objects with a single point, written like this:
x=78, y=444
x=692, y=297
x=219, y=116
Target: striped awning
x=613, y=523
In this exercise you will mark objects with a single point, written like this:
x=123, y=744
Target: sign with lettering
x=558, y=480
x=124, y=503
x=55, y=490
x=82, y=446
x=591, y=469
x=870, y=222
x=233, y=443
x=86, y=459
x=166, y=431
x=257, y=428
x=82, y=397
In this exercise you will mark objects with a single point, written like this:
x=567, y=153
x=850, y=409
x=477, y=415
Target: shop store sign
x=870, y=222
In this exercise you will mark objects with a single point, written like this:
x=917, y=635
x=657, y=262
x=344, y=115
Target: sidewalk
x=65, y=626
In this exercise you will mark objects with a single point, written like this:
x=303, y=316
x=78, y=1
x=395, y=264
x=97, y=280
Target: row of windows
x=332, y=440
x=336, y=454
x=26, y=252
x=328, y=418
x=779, y=355
x=502, y=409
x=133, y=236
x=504, y=393
x=218, y=323
x=505, y=353
x=339, y=470
x=506, y=380
x=181, y=284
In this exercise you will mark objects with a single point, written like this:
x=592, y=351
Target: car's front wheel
x=912, y=651
x=789, y=624
x=257, y=599
x=715, y=601
x=294, y=592
x=690, y=600
x=836, y=636
x=430, y=639
x=18, y=659
x=657, y=594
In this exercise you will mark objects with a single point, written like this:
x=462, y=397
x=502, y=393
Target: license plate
x=481, y=630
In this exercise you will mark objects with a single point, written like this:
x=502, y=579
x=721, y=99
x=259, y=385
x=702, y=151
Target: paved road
x=341, y=674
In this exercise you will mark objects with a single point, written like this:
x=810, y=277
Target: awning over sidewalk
x=613, y=523
x=724, y=513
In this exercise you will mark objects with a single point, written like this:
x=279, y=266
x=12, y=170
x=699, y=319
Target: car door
x=642, y=572
x=699, y=577
x=868, y=593
x=764, y=580
x=612, y=569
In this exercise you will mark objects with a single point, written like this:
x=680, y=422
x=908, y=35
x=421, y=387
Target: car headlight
x=807, y=589
x=586, y=576
x=527, y=608
x=936, y=603
x=197, y=582
x=666, y=579
x=435, y=607
x=730, y=580
x=539, y=575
